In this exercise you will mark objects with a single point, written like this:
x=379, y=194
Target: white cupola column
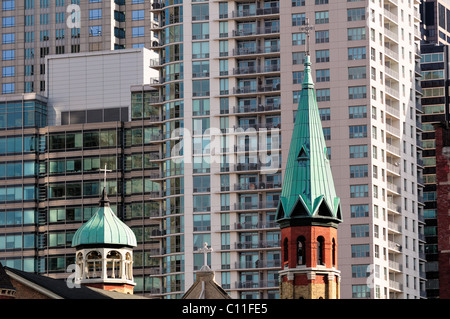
x=104, y=267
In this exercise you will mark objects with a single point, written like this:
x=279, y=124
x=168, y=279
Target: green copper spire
x=308, y=191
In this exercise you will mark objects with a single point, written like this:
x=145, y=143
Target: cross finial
x=104, y=170
x=205, y=250
x=306, y=28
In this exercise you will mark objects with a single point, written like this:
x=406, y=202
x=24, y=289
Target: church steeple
x=308, y=188
x=309, y=210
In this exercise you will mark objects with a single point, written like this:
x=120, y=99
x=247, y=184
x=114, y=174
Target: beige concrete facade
x=380, y=239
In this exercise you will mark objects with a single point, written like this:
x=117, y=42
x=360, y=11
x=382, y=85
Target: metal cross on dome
x=306, y=28
x=205, y=250
x=104, y=170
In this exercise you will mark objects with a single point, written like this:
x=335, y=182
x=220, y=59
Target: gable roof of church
x=59, y=288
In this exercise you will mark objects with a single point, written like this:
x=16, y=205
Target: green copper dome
x=308, y=193
x=104, y=227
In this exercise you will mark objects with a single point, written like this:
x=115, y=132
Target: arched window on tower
x=114, y=264
x=320, y=248
x=301, y=251
x=285, y=250
x=334, y=253
x=94, y=264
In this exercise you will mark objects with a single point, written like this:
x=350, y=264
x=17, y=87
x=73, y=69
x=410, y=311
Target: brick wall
x=25, y=292
x=443, y=208
x=301, y=288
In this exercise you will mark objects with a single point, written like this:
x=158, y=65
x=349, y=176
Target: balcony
x=394, y=150
x=390, y=53
x=245, y=90
x=155, y=194
x=256, y=69
x=255, y=126
x=255, y=90
x=417, y=14
x=393, y=265
x=391, y=34
x=391, y=16
x=419, y=107
x=255, y=186
x=394, y=207
x=392, y=91
x=393, y=111
x=256, y=50
x=419, y=126
x=256, y=284
x=256, y=108
x=395, y=227
x=258, y=264
x=392, y=130
x=155, y=63
x=154, y=81
x=417, y=68
x=395, y=285
x=156, y=45
x=417, y=34
x=256, y=205
x=157, y=6
x=419, y=143
x=394, y=2
x=156, y=100
x=394, y=188
x=418, y=88
x=257, y=12
x=156, y=214
x=256, y=31
x=155, y=175
x=246, y=70
x=391, y=72
x=252, y=225
x=393, y=168
x=157, y=233
x=155, y=138
x=394, y=246
x=258, y=244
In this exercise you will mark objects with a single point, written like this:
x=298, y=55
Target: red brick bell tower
x=309, y=210
x=309, y=270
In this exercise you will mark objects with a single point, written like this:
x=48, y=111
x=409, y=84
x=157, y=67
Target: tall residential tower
x=237, y=67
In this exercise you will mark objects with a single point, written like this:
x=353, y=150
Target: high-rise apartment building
x=203, y=156
x=238, y=65
x=435, y=76
x=33, y=29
